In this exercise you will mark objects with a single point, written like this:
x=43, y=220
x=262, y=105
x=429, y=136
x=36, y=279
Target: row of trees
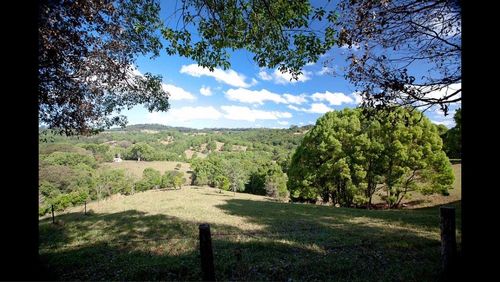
x=152, y=179
x=350, y=155
x=249, y=172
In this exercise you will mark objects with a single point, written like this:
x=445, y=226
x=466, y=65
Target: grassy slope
x=153, y=236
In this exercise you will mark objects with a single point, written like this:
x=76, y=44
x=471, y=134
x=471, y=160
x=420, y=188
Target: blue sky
x=248, y=96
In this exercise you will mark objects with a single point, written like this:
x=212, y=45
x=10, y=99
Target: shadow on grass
x=298, y=242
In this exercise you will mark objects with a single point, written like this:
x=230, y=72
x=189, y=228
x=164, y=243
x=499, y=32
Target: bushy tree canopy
x=348, y=156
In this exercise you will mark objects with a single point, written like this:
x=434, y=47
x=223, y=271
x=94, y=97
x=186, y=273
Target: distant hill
x=161, y=127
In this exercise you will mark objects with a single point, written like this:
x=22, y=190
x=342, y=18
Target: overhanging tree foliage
x=348, y=156
x=87, y=49
x=409, y=51
x=279, y=33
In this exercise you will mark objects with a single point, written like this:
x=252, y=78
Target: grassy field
x=135, y=168
x=153, y=235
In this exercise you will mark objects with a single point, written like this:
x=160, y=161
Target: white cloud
x=333, y=98
x=310, y=64
x=325, y=70
x=206, y=91
x=447, y=123
x=260, y=96
x=357, y=97
x=177, y=93
x=284, y=78
x=184, y=114
x=247, y=114
x=315, y=108
x=445, y=91
x=229, y=77
x=440, y=113
x=254, y=96
x=282, y=122
x=319, y=108
x=265, y=76
x=353, y=47
x=292, y=99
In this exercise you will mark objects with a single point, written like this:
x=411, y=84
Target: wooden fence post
x=448, y=242
x=53, y=219
x=207, y=257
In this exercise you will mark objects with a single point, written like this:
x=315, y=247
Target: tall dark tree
x=87, y=50
x=452, y=139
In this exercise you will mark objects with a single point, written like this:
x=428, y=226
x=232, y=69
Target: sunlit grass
x=153, y=236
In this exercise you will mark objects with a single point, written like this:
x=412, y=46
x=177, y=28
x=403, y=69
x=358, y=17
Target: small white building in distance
x=117, y=159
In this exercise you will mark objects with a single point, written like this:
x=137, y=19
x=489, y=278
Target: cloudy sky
x=248, y=96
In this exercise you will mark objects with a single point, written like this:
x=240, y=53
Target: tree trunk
x=400, y=199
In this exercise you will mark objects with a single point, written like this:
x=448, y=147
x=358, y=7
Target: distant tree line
x=249, y=172
x=345, y=158
x=71, y=177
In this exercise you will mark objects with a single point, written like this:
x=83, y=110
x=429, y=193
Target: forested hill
x=174, y=141
x=253, y=160
x=160, y=127
x=76, y=168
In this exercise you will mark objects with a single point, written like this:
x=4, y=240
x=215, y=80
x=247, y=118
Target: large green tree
x=275, y=183
x=349, y=155
x=141, y=151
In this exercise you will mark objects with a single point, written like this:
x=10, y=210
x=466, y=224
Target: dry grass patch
x=135, y=168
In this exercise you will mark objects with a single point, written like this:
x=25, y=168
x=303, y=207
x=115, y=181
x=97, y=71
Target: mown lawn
x=154, y=236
